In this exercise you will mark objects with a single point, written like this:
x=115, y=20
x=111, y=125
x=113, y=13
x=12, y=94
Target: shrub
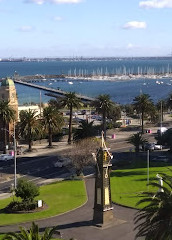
x=26, y=190
x=21, y=206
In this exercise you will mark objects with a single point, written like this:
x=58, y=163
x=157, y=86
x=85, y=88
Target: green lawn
x=127, y=184
x=60, y=197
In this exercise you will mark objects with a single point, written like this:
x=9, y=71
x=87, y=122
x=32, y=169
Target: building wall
x=8, y=93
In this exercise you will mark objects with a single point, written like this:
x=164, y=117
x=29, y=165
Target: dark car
x=148, y=146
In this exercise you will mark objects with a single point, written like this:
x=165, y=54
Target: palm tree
x=85, y=130
x=154, y=221
x=161, y=106
x=137, y=140
x=169, y=101
x=7, y=114
x=29, y=126
x=31, y=234
x=70, y=101
x=143, y=105
x=52, y=121
x=167, y=138
x=103, y=106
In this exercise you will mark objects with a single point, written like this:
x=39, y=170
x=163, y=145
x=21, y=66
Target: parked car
x=151, y=146
x=6, y=157
x=148, y=146
x=162, y=130
x=160, y=159
x=62, y=162
x=157, y=147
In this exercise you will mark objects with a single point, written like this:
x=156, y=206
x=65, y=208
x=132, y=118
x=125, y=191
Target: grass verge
x=60, y=197
x=126, y=185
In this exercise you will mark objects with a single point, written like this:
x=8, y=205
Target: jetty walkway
x=52, y=92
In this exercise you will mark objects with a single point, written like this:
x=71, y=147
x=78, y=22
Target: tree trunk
x=30, y=140
x=104, y=124
x=142, y=122
x=50, y=136
x=5, y=137
x=70, y=125
x=30, y=145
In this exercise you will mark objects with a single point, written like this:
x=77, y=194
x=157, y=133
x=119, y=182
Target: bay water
x=121, y=91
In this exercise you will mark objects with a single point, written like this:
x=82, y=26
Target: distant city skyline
x=88, y=28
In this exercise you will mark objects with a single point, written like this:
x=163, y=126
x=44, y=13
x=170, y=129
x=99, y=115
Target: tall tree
x=7, y=114
x=31, y=234
x=143, y=105
x=169, y=102
x=29, y=126
x=166, y=138
x=84, y=130
x=137, y=140
x=52, y=120
x=154, y=220
x=70, y=101
x=103, y=106
x=161, y=106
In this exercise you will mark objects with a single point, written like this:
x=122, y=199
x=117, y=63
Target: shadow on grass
x=128, y=173
x=145, y=179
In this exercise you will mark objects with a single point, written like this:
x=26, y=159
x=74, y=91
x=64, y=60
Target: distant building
x=8, y=93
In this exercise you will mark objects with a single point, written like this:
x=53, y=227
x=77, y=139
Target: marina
x=121, y=79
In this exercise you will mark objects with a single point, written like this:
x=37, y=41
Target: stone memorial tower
x=8, y=93
x=103, y=210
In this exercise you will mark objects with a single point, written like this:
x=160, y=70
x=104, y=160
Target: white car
x=6, y=157
x=162, y=130
x=62, y=162
x=158, y=147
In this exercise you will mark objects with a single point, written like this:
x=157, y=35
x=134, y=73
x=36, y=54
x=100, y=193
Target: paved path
x=78, y=223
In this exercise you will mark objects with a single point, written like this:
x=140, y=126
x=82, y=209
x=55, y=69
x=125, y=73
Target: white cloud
x=130, y=46
x=134, y=25
x=57, y=18
x=156, y=4
x=65, y=1
x=25, y=28
x=40, y=2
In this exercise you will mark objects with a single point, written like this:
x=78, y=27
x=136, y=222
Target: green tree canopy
x=53, y=121
x=70, y=101
x=85, y=130
x=169, y=101
x=103, y=105
x=143, y=105
x=29, y=126
x=167, y=138
x=31, y=234
x=154, y=221
x=26, y=190
x=137, y=140
x=7, y=114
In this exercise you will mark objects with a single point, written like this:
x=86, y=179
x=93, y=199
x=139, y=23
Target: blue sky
x=88, y=28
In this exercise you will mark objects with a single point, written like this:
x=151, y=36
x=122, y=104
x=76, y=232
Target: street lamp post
x=15, y=159
x=15, y=165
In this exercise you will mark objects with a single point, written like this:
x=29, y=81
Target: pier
x=52, y=92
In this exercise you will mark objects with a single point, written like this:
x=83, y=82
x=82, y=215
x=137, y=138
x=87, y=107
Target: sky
x=87, y=28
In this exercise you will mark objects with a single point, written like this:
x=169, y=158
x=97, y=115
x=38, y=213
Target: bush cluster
x=16, y=206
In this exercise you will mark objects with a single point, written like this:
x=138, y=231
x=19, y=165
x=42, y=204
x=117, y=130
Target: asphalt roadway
x=78, y=224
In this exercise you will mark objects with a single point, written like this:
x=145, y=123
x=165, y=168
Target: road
x=37, y=169
x=41, y=168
